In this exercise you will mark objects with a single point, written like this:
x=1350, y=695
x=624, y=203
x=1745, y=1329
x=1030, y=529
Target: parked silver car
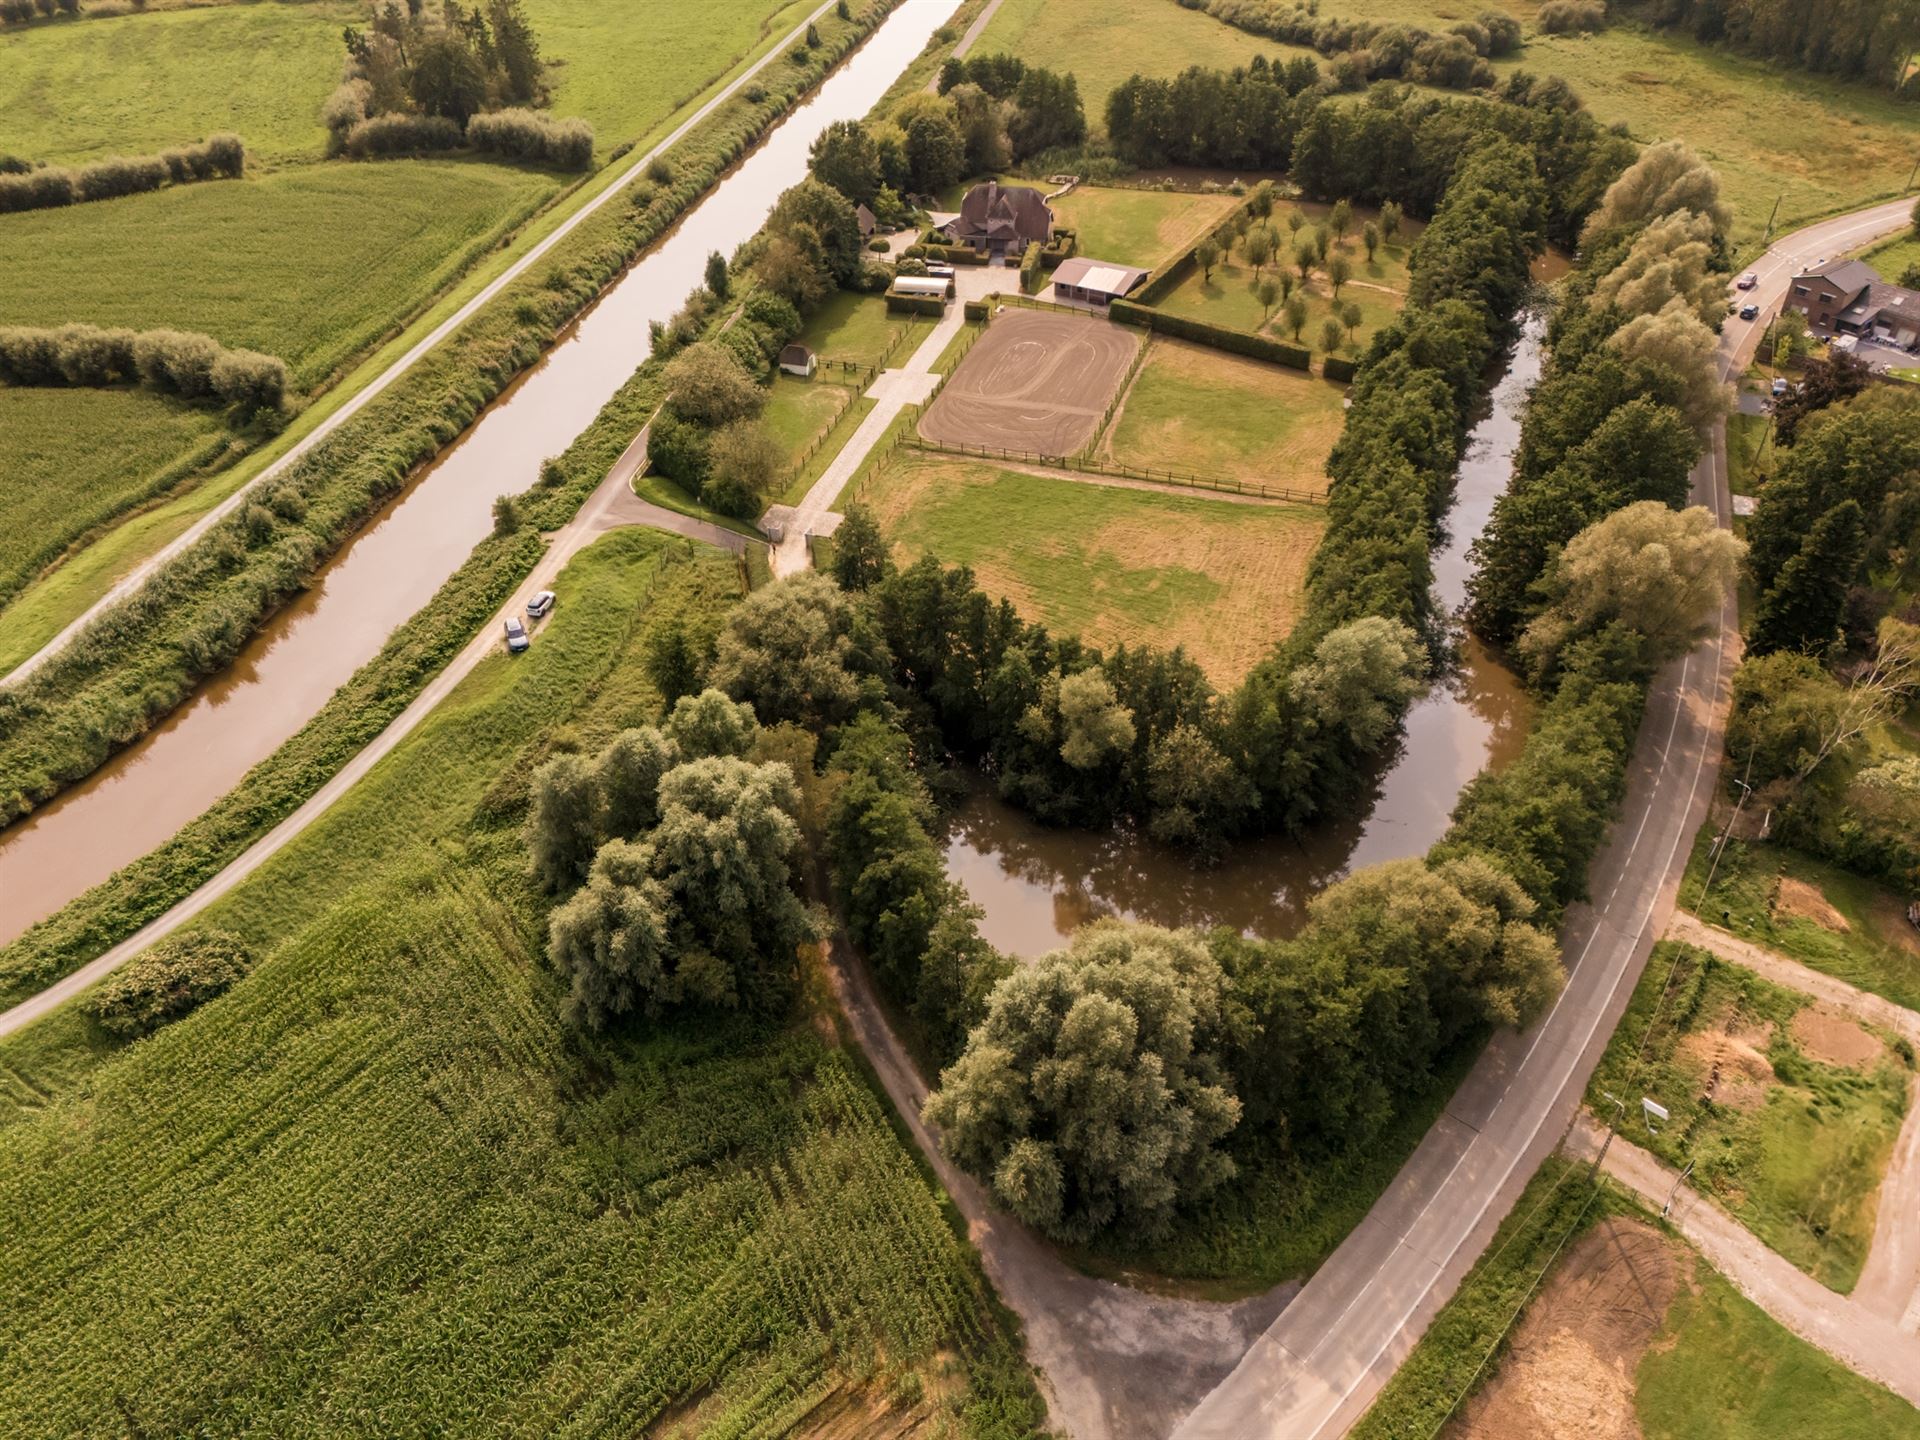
x=540, y=604
x=516, y=635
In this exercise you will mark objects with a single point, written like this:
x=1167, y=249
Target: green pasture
x=852, y=326
x=1144, y=228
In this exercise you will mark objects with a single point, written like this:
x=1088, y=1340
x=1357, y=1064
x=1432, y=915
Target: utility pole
x=1913, y=172
x=1767, y=236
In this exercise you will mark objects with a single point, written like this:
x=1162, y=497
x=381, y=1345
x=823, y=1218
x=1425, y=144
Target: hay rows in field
x=369, y=1191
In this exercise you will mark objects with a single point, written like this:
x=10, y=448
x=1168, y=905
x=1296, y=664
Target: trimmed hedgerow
x=533, y=137
x=217, y=157
x=1205, y=332
x=176, y=362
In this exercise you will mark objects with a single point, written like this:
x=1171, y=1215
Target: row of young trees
x=41, y=187
x=1397, y=144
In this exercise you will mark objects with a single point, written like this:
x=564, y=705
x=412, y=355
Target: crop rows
x=373, y=1190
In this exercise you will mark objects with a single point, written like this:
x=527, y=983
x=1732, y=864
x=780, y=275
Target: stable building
x=1094, y=282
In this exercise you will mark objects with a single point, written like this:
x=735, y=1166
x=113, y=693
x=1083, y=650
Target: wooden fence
x=1097, y=466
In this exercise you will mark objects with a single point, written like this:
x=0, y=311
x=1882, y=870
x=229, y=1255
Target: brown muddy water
x=144, y=795
x=1037, y=884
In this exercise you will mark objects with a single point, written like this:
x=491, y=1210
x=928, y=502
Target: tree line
x=452, y=77
x=1362, y=51
x=41, y=187
x=1870, y=40
x=172, y=362
x=1397, y=144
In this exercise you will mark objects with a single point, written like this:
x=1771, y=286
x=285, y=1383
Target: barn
x=1094, y=282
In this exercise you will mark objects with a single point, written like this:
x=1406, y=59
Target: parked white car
x=540, y=604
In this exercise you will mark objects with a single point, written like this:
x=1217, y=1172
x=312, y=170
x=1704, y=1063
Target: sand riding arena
x=1035, y=381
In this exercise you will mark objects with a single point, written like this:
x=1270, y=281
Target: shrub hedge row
x=216, y=157
x=402, y=135
x=1059, y=248
x=538, y=139
x=143, y=657
x=178, y=362
x=931, y=249
x=1336, y=367
x=1030, y=269
x=916, y=305
x=1205, y=332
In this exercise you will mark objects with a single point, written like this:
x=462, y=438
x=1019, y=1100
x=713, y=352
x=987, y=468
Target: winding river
x=141, y=797
x=1036, y=884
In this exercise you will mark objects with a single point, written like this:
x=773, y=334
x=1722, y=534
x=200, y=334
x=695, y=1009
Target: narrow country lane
x=1318, y=1367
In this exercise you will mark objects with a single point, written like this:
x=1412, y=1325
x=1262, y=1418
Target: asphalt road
x=1317, y=1368
x=130, y=582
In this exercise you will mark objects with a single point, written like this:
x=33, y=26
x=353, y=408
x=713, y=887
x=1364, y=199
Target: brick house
x=1846, y=297
x=1001, y=220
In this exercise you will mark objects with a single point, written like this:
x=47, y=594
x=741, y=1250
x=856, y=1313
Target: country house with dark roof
x=1847, y=297
x=998, y=219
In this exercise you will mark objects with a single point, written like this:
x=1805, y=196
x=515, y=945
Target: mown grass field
x=377, y=1179
x=1797, y=1135
x=1145, y=228
x=1226, y=417
x=313, y=264
x=856, y=327
x=74, y=459
x=1102, y=42
x=1877, y=950
x=1112, y=565
x=134, y=84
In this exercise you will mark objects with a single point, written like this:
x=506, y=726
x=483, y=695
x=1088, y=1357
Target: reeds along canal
x=1036, y=884
x=142, y=796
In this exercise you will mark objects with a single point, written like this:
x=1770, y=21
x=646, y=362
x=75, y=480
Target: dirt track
x=1035, y=381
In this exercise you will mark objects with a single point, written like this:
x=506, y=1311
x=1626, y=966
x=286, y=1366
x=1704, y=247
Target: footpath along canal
x=393, y=567
x=1037, y=883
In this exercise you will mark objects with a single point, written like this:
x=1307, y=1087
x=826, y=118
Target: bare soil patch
x=1733, y=1063
x=1570, y=1365
x=1889, y=920
x=1798, y=898
x=1833, y=1039
x=1036, y=381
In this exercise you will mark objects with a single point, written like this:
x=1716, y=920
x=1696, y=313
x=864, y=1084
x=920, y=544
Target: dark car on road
x=516, y=635
x=1749, y=312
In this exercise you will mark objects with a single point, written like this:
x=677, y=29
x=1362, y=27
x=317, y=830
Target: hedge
x=1335, y=368
x=177, y=362
x=1030, y=269
x=402, y=135
x=216, y=157
x=1059, y=248
x=141, y=658
x=529, y=135
x=916, y=305
x=1205, y=332
x=976, y=310
x=1161, y=282
x=933, y=249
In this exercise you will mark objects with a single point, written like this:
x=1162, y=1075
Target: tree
x=1390, y=221
x=626, y=781
x=1673, y=257
x=1295, y=312
x=1676, y=340
x=1092, y=1093
x=1667, y=177
x=935, y=157
x=563, y=821
x=1359, y=681
x=1341, y=218
x=707, y=385
x=1260, y=200
x=1045, y=113
x=716, y=276
x=845, y=157
x=1350, y=317
x=983, y=133
x=860, y=558
x=820, y=219
x=793, y=272
x=1258, y=247
x=1095, y=724
x=1370, y=238
x=446, y=77
x=788, y=649
x=1267, y=292
x=1839, y=376
x=709, y=724
x=1287, y=282
x=506, y=514
x=1661, y=573
x=1295, y=219
x=1802, y=608
x=673, y=662
x=516, y=54
x=1339, y=271
x=1322, y=244
x=1207, y=255
x=1304, y=258
x=1332, y=334
x=1197, y=794
x=744, y=461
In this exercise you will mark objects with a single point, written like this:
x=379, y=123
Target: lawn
x=1226, y=417
x=135, y=84
x=313, y=264
x=1860, y=935
x=379, y=1178
x=74, y=459
x=1144, y=228
x=1748, y=447
x=1722, y=1369
x=1805, y=1109
x=799, y=414
x=1102, y=42
x=1111, y=565
x=856, y=327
